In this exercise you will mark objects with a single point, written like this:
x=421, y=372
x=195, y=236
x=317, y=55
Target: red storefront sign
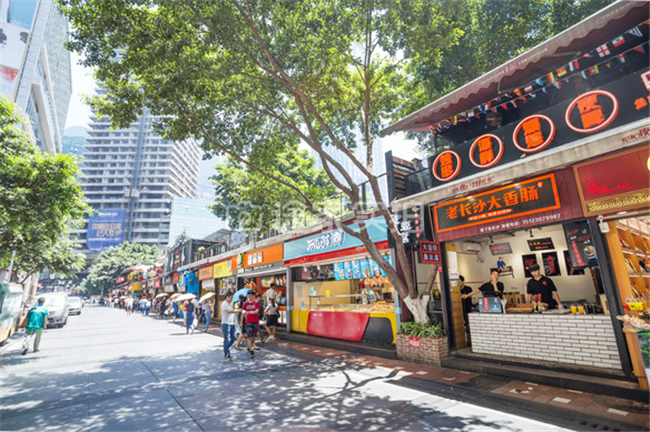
x=615, y=182
x=414, y=342
x=175, y=278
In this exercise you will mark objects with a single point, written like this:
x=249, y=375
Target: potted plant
x=422, y=343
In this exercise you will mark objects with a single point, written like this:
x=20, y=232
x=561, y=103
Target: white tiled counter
x=586, y=340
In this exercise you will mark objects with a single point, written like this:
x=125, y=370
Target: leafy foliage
x=430, y=329
x=111, y=263
x=493, y=32
x=40, y=200
x=252, y=202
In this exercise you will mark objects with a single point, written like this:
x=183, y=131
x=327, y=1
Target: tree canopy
x=40, y=201
x=108, y=265
x=493, y=32
x=252, y=202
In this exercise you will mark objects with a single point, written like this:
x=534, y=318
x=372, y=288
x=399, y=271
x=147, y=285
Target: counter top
x=586, y=340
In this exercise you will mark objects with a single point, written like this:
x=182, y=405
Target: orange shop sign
x=267, y=255
x=206, y=272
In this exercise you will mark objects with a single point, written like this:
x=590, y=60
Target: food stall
x=337, y=290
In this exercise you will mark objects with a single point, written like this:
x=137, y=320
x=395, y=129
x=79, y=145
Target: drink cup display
x=574, y=310
x=581, y=310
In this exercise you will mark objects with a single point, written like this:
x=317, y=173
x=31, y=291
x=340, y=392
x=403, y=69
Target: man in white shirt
x=270, y=293
x=228, y=317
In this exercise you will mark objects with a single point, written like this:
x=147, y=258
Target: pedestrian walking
x=174, y=310
x=207, y=313
x=36, y=322
x=251, y=315
x=228, y=319
x=162, y=308
x=129, y=305
x=272, y=312
x=261, y=322
x=188, y=311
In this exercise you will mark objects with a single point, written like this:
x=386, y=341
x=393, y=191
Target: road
x=107, y=371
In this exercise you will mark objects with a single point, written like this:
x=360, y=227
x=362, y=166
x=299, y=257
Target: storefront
x=261, y=268
x=337, y=290
x=517, y=185
x=614, y=189
x=224, y=281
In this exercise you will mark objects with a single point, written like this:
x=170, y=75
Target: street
x=109, y=371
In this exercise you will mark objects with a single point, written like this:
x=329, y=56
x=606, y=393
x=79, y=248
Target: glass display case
x=347, y=303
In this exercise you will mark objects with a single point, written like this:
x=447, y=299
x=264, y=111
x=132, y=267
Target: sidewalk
x=567, y=408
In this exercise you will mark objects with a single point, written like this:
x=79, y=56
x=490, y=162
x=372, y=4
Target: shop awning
x=603, y=25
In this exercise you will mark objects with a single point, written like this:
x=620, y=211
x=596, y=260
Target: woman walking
x=207, y=313
x=271, y=317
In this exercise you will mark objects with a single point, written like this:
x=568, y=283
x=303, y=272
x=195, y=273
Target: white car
x=75, y=305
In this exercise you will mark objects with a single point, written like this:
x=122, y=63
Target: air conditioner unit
x=472, y=247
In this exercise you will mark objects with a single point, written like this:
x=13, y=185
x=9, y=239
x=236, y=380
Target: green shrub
x=431, y=329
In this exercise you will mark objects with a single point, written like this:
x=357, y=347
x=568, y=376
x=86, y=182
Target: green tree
x=40, y=201
x=493, y=32
x=108, y=265
x=250, y=75
x=254, y=203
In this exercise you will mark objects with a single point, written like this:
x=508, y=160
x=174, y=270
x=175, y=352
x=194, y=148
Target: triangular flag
x=639, y=48
x=608, y=64
x=551, y=77
x=618, y=41
x=561, y=71
x=538, y=81
x=574, y=65
x=621, y=57
x=517, y=92
x=528, y=88
x=603, y=50
x=583, y=74
x=594, y=70
x=514, y=103
x=636, y=31
x=504, y=106
x=558, y=84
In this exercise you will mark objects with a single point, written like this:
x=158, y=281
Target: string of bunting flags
x=555, y=78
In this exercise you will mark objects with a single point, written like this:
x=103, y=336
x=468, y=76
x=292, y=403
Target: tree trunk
x=418, y=307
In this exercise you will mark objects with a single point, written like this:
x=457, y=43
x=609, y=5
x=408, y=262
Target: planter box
x=421, y=350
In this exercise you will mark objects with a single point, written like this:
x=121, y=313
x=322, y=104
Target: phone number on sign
x=545, y=218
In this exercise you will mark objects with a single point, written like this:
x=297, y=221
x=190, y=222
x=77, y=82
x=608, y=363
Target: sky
x=83, y=84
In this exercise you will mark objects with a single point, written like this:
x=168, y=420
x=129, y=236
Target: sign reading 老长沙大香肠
x=527, y=197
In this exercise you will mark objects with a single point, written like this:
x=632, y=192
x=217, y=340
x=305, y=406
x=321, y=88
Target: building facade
x=133, y=175
x=35, y=67
x=193, y=217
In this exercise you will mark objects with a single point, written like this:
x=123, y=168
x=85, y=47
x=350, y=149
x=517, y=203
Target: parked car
x=58, y=306
x=75, y=305
x=11, y=296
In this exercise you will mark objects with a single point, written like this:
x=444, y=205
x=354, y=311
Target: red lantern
x=159, y=270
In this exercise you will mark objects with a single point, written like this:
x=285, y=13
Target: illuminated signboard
x=430, y=253
x=615, y=104
x=538, y=244
x=531, y=196
x=500, y=248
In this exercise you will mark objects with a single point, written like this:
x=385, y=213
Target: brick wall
x=586, y=340
x=430, y=351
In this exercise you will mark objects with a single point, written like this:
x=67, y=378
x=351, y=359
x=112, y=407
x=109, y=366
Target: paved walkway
x=109, y=371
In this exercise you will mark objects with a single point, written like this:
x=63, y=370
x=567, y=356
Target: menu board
x=538, y=244
x=580, y=243
x=501, y=248
x=359, y=268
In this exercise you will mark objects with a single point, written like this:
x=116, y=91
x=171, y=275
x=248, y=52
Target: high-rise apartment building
x=35, y=70
x=130, y=176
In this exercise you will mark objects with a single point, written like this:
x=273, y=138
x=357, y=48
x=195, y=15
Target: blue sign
x=334, y=240
x=106, y=229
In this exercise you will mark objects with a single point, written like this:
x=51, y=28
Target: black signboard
x=580, y=243
x=591, y=112
x=501, y=248
x=531, y=196
x=538, y=244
